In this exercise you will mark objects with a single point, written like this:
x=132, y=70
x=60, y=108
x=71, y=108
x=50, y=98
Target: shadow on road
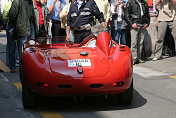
x=90, y=103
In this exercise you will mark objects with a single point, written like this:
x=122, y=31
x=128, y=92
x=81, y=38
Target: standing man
x=118, y=22
x=166, y=18
x=138, y=19
x=11, y=43
x=29, y=9
x=63, y=16
x=20, y=21
x=41, y=18
x=55, y=7
x=80, y=19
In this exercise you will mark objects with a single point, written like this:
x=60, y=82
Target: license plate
x=79, y=62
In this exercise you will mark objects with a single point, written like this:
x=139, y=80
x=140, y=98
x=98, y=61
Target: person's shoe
x=135, y=62
x=12, y=70
x=144, y=58
x=155, y=59
x=141, y=61
x=1, y=70
x=172, y=54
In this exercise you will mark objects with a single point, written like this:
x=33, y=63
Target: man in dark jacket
x=41, y=17
x=30, y=14
x=80, y=18
x=38, y=14
x=138, y=18
x=20, y=21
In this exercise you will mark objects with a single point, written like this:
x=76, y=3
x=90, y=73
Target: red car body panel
x=48, y=65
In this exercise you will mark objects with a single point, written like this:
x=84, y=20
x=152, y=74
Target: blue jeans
x=118, y=33
x=7, y=54
x=21, y=41
x=11, y=46
x=32, y=31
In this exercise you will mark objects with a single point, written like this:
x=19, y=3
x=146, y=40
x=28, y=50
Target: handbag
x=124, y=23
x=97, y=29
x=63, y=21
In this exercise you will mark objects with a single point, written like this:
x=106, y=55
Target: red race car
x=96, y=66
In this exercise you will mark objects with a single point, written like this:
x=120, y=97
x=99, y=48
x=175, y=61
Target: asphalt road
x=154, y=95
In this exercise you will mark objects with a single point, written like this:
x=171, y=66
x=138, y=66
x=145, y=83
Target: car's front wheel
x=29, y=98
x=126, y=97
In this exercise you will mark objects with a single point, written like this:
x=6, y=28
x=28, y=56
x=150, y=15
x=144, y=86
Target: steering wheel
x=91, y=43
x=87, y=39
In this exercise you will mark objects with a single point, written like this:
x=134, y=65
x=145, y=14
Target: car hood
x=71, y=63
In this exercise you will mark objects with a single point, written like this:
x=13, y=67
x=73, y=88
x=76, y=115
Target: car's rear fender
x=104, y=43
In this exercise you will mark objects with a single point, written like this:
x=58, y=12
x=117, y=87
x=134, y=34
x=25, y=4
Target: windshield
x=47, y=42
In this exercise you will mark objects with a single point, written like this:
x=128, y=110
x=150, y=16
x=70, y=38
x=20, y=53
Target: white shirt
x=142, y=13
x=79, y=3
x=118, y=11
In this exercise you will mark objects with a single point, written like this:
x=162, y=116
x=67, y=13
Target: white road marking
x=17, y=100
x=3, y=78
x=146, y=72
x=20, y=105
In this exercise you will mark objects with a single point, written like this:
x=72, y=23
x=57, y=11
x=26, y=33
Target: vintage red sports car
x=96, y=66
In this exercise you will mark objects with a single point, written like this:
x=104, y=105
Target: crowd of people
x=128, y=19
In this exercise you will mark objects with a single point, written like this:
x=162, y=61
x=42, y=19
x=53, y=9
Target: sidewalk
x=3, y=42
x=165, y=66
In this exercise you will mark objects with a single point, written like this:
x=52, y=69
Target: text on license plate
x=79, y=62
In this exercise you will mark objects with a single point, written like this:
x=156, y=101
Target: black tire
x=29, y=98
x=21, y=73
x=126, y=97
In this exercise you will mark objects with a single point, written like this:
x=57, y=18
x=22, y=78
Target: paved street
x=154, y=95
